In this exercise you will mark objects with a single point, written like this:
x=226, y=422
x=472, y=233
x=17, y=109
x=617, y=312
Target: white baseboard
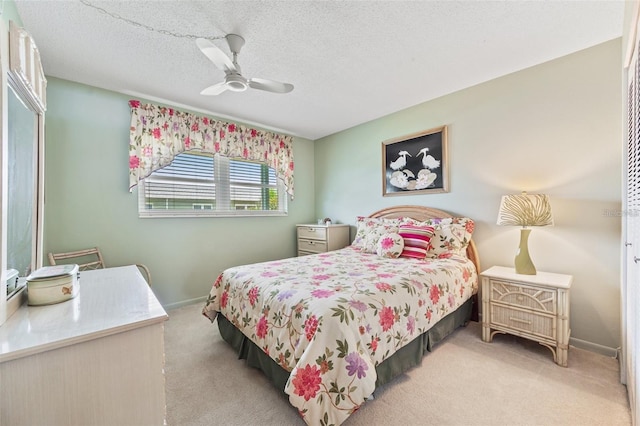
x=185, y=303
x=594, y=347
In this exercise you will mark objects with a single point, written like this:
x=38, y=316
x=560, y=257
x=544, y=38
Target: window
x=199, y=184
x=202, y=206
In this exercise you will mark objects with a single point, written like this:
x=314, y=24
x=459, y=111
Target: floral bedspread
x=330, y=318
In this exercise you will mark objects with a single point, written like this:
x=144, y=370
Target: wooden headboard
x=422, y=213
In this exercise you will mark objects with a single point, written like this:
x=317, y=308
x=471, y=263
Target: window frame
x=221, y=166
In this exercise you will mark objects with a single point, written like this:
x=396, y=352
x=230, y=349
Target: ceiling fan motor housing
x=235, y=42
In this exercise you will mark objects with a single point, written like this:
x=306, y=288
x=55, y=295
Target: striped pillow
x=416, y=240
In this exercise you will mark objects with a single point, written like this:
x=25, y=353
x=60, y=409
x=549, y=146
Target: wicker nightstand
x=532, y=306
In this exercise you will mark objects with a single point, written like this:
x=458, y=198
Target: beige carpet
x=464, y=381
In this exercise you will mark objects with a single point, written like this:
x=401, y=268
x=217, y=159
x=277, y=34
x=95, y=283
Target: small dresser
x=97, y=359
x=321, y=238
x=535, y=307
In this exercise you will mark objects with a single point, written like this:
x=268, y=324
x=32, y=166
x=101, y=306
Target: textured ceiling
x=350, y=61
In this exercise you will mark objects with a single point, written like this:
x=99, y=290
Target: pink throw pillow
x=416, y=240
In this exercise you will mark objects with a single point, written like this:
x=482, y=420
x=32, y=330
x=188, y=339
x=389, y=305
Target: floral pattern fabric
x=451, y=235
x=330, y=318
x=158, y=134
x=390, y=245
x=369, y=230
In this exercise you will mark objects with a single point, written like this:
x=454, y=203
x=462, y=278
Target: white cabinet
x=97, y=359
x=532, y=306
x=321, y=238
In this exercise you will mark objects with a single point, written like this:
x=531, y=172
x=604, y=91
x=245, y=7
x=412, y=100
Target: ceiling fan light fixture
x=236, y=83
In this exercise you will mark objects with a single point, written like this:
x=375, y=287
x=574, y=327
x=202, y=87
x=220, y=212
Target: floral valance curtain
x=159, y=133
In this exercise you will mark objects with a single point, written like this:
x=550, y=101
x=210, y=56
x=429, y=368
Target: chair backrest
x=87, y=259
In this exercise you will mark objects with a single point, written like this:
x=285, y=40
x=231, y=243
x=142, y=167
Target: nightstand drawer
x=528, y=322
x=319, y=233
x=520, y=295
x=314, y=246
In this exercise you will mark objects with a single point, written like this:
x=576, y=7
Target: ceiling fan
x=233, y=79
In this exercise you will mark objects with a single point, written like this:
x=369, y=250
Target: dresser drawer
x=528, y=322
x=321, y=238
x=314, y=246
x=520, y=295
x=312, y=232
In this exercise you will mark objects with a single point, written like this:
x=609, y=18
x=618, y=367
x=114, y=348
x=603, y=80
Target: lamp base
x=523, y=263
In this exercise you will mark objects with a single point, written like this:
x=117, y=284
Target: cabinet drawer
x=528, y=322
x=312, y=232
x=537, y=298
x=314, y=246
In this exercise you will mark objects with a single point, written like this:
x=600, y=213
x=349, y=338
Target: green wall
x=555, y=128
x=87, y=202
x=10, y=12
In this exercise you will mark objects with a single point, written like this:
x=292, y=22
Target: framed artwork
x=416, y=163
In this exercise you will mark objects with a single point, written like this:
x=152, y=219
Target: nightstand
x=535, y=307
x=314, y=239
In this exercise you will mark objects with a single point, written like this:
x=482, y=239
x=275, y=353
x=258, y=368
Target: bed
x=328, y=328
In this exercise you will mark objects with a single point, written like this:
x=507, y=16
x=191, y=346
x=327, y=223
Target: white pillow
x=390, y=245
x=369, y=231
x=449, y=239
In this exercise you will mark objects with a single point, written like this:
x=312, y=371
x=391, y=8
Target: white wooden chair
x=89, y=259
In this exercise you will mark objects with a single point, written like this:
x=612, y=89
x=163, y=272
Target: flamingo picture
x=401, y=161
x=428, y=161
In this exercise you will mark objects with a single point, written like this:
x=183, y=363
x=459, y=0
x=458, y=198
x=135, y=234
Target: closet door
x=630, y=293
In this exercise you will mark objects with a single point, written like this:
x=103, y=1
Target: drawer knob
x=312, y=229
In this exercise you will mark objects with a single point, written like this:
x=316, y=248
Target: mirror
x=23, y=90
x=22, y=149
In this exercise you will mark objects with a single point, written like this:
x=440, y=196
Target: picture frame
x=416, y=164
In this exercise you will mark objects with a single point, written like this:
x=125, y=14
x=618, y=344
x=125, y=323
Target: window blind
x=197, y=184
x=630, y=363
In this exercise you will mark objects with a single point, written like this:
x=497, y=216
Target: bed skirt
x=405, y=358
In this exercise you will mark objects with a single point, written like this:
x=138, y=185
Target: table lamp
x=525, y=210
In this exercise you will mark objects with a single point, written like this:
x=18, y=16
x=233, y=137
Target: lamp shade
x=525, y=210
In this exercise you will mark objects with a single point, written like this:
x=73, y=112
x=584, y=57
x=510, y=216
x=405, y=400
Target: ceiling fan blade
x=216, y=55
x=216, y=89
x=270, y=85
